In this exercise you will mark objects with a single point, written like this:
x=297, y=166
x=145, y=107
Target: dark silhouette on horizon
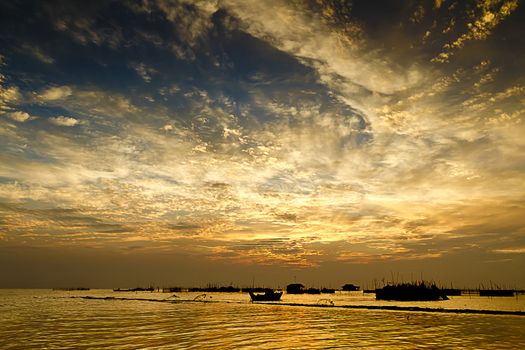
x=414, y=291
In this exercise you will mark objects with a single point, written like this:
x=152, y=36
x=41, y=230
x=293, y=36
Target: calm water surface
x=44, y=319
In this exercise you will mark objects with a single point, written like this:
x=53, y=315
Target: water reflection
x=38, y=319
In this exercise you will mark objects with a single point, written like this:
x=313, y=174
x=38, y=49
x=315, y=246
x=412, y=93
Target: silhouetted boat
x=295, y=288
x=298, y=288
x=268, y=295
x=349, y=287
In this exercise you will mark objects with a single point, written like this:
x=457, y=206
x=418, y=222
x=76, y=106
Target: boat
x=350, y=287
x=268, y=295
x=295, y=288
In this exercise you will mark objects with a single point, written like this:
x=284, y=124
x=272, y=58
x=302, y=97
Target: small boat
x=268, y=295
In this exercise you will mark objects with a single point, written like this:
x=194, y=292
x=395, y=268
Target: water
x=38, y=319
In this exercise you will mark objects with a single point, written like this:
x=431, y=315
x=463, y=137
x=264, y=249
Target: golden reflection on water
x=45, y=319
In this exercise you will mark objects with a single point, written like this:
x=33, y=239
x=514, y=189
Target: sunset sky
x=251, y=141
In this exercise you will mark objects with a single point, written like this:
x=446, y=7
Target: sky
x=262, y=142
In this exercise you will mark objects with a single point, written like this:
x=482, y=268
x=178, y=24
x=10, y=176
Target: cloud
x=19, y=116
x=9, y=95
x=87, y=29
x=331, y=52
x=143, y=71
x=191, y=22
x=55, y=93
x=482, y=22
x=100, y=105
x=63, y=121
x=38, y=54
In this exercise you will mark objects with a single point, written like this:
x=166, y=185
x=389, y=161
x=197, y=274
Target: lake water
x=45, y=319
